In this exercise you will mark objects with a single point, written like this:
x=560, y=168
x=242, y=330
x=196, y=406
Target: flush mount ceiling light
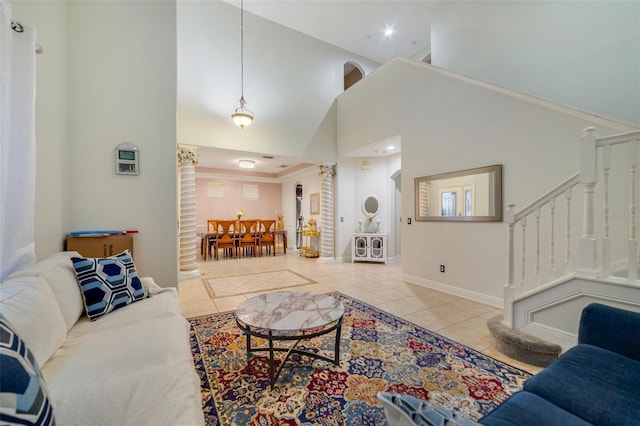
x=242, y=116
x=388, y=31
x=247, y=164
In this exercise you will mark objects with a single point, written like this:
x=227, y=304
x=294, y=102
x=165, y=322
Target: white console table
x=369, y=248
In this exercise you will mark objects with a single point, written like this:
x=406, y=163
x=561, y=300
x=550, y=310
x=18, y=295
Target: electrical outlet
x=442, y=268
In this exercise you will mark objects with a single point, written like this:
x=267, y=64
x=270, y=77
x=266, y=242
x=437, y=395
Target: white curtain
x=17, y=143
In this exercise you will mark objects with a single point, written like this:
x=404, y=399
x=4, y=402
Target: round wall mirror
x=371, y=206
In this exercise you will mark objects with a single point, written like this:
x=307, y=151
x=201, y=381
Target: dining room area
x=248, y=214
x=237, y=238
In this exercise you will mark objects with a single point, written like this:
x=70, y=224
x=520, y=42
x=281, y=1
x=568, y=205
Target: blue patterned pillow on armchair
x=25, y=399
x=107, y=283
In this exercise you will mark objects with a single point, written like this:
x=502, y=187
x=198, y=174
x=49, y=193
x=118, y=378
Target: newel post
x=509, y=290
x=588, y=243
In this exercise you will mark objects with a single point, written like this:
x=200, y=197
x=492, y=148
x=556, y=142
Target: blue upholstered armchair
x=596, y=382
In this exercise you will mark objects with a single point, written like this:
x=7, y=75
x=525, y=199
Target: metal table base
x=297, y=338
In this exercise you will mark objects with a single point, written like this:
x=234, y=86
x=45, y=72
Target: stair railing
x=588, y=264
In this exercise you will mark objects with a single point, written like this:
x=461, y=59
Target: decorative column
x=187, y=158
x=327, y=172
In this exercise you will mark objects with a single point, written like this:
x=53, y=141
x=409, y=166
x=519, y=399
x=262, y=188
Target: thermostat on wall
x=127, y=159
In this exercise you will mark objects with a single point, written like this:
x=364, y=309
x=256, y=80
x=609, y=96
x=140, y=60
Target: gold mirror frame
x=479, y=191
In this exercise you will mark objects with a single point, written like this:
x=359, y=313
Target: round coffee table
x=290, y=316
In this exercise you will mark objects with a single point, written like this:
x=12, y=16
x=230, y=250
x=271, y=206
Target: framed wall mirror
x=371, y=206
x=473, y=195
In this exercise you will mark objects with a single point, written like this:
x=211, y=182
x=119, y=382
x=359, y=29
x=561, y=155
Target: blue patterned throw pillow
x=25, y=399
x=406, y=410
x=107, y=283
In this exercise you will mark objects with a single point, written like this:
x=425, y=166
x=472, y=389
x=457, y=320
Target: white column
x=327, y=220
x=187, y=158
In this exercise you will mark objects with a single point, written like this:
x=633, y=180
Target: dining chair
x=248, y=237
x=267, y=237
x=210, y=237
x=227, y=237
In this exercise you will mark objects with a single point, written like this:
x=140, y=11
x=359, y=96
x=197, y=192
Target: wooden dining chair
x=227, y=237
x=248, y=237
x=267, y=237
x=210, y=237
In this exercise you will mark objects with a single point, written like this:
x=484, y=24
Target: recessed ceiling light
x=390, y=147
x=247, y=164
x=388, y=31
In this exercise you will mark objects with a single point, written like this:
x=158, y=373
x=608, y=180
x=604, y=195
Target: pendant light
x=242, y=116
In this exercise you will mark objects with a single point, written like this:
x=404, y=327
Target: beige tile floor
x=379, y=285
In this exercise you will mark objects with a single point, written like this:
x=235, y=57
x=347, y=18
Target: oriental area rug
x=253, y=283
x=379, y=352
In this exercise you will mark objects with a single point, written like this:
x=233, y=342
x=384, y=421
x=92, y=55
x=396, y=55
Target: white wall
x=585, y=54
x=290, y=83
x=122, y=88
x=233, y=199
x=107, y=76
x=52, y=176
x=449, y=123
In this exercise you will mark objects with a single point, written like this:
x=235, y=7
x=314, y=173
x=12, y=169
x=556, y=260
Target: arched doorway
x=352, y=74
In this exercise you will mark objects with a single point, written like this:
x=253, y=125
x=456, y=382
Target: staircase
x=575, y=245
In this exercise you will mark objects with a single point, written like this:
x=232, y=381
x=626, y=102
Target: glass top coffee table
x=290, y=316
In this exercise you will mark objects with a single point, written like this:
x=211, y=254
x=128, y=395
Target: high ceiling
x=357, y=26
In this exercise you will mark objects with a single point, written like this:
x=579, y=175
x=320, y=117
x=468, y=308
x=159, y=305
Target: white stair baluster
x=552, y=241
x=633, y=244
x=606, y=245
x=523, y=222
x=567, y=254
x=538, y=245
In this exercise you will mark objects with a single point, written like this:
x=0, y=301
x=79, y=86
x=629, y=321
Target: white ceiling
x=357, y=26
x=354, y=25
x=226, y=159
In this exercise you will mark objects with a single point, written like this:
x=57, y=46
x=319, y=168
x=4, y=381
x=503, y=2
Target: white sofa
x=132, y=366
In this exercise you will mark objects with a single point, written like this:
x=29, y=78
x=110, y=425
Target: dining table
x=208, y=237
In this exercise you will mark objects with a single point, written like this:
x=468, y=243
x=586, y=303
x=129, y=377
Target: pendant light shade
x=242, y=117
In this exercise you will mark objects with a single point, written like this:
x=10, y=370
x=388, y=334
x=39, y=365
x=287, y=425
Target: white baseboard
x=456, y=291
x=188, y=275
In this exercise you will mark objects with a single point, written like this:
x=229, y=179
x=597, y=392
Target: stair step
x=521, y=346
